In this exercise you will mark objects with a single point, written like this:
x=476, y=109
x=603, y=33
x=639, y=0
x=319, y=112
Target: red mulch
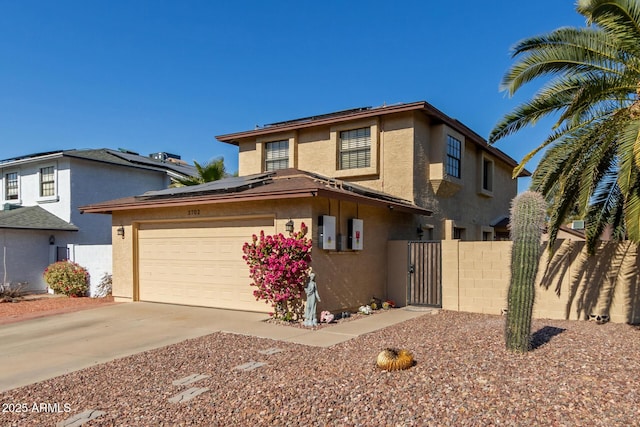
x=33, y=306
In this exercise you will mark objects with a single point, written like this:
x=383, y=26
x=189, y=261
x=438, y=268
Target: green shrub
x=68, y=278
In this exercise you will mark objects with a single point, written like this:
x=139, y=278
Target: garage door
x=198, y=263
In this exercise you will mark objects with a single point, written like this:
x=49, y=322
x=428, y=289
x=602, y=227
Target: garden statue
x=311, y=290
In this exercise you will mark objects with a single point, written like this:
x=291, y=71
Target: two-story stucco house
x=357, y=179
x=412, y=151
x=40, y=193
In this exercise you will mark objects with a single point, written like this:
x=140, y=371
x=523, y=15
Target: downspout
x=381, y=151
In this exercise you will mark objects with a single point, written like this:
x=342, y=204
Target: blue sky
x=170, y=75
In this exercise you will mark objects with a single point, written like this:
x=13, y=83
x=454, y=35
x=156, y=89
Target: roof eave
x=4, y=227
x=233, y=138
x=21, y=161
x=428, y=109
x=231, y=198
x=190, y=201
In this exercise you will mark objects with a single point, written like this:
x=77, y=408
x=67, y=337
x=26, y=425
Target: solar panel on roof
x=225, y=185
x=147, y=161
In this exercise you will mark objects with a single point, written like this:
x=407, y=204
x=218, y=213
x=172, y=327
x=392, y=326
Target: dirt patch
x=33, y=306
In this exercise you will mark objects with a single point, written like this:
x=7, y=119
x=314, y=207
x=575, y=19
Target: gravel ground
x=579, y=374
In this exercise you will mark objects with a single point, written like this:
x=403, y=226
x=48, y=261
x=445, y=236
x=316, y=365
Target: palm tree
x=213, y=170
x=592, y=74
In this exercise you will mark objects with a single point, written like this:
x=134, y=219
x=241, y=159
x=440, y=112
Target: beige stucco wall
x=408, y=159
x=349, y=279
x=317, y=151
x=124, y=249
x=475, y=278
x=346, y=279
x=462, y=203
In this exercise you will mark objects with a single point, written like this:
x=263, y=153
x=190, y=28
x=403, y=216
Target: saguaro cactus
x=527, y=222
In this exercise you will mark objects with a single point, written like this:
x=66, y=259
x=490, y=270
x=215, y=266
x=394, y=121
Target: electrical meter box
x=356, y=235
x=327, y=232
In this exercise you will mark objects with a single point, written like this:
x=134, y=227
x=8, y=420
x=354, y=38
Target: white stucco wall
x=92, y=182
x=28, y=253
x=95, y=258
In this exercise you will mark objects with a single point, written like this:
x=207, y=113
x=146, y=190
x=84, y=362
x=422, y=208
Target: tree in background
x=213, y=170
x=592, y=163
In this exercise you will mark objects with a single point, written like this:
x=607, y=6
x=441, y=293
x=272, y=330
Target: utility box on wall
x=327, y=232
x=356, y=235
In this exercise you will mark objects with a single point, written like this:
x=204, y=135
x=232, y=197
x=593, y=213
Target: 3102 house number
x=192, y=212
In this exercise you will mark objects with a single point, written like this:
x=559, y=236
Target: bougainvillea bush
x=68, y=278
x=279, y=267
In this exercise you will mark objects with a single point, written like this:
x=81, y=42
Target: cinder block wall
x=571, y=285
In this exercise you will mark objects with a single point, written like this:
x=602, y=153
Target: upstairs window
x=454, y=156
x=355, y=148
x=276, y=155
x=47, y=182
x=11, y=186
x=487, y=175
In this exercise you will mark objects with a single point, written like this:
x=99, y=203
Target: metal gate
x=425, y=274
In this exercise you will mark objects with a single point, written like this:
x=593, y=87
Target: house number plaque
x=192, y=212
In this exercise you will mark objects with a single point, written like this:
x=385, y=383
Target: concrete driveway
x=39, y=349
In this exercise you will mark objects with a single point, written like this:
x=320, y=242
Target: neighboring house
x=412, y=151
x=40, y=193
x=358, y=179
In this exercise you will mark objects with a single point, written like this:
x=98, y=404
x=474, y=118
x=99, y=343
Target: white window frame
x=54, y=196
x=355, y=142
x=275, y=154
x=5, y=187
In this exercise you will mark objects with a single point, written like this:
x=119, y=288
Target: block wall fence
x=570, y=283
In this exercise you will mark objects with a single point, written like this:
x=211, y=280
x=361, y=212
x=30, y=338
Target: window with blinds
x=454, y=155
x=355, y=148
x=47, y=181
x=11, y=186
x=276, y=155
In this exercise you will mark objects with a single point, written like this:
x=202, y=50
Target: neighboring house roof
x=105, y=155
x=281, y=184
x=434, y=114
x=33, y=218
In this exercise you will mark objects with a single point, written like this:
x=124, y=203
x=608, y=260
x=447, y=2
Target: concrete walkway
x=39, y=349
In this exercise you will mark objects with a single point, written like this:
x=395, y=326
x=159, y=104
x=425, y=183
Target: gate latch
x=411, y=269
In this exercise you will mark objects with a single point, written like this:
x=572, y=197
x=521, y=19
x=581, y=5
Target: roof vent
x=577, y=225
x=164, y=157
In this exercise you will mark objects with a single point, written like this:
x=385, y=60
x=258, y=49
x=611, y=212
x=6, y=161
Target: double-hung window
x=355, y=148
x=11, y=186
x=276, y=155
x=47, y=181
x=454, y=156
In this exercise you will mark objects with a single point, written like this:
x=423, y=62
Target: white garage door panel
x=198, y=263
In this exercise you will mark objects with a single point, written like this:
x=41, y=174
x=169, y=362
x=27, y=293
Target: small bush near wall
x=68, y=278
x=104, y=287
